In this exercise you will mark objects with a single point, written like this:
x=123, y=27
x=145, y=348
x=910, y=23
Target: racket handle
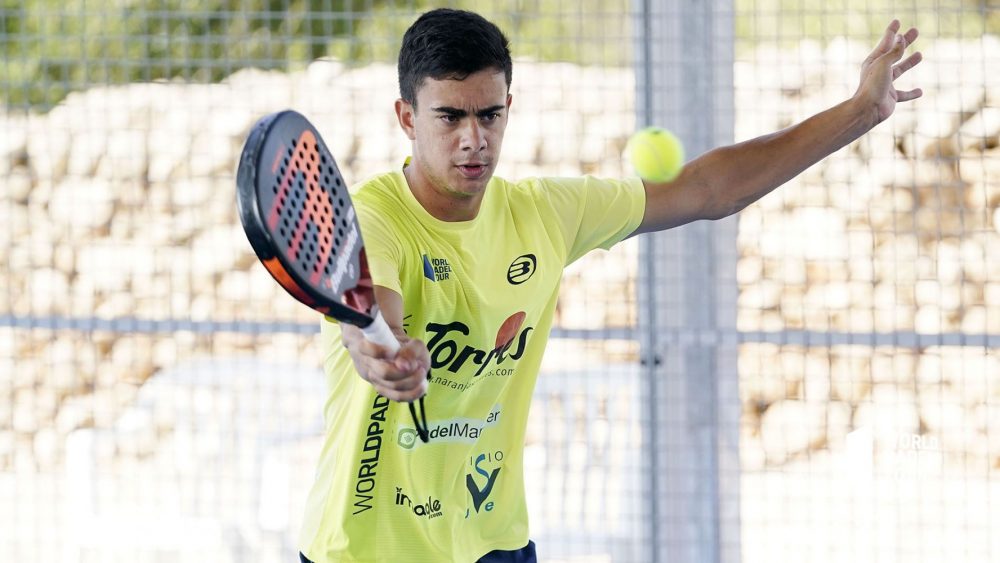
x=380, y=333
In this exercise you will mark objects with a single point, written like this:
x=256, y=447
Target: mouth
x=473, y=170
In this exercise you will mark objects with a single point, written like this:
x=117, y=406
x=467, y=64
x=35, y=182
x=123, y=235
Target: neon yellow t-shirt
x=481, y=295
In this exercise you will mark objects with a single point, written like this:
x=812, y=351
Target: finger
x=906, y=65
x=911, y=35
x=382, y=370
x=412, y=382
x=400, y=396
x=413, y=356
x=887, y=38
x=907, y=95
x=403, y=391
x=372, y=350
x=896, y=52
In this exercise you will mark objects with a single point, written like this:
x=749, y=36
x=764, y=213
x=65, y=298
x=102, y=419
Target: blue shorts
x=524, y=555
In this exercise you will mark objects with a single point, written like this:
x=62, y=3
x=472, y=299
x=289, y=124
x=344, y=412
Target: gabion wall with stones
x=871, y=395
x=892, y=240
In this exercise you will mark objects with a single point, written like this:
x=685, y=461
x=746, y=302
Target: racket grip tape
x=380, y=333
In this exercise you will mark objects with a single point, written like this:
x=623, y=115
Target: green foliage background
x=50, y=48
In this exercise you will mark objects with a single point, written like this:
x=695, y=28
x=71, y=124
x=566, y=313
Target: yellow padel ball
x=656, y=154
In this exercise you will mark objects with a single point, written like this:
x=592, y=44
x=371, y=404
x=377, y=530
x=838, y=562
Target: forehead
x=481, y=89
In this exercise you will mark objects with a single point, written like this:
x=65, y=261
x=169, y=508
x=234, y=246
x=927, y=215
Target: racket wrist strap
x=422, y=431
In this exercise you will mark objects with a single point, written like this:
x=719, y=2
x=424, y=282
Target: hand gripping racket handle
x=380, y=333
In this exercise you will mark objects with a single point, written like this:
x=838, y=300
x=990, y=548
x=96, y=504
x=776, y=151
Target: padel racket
x=298, y=216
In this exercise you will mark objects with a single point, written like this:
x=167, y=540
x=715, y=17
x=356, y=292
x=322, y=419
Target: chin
x=471, y=188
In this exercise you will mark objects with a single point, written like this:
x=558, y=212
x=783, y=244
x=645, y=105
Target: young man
x=466, y=269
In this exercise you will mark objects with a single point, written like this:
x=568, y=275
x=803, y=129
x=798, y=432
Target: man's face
x=457, y=128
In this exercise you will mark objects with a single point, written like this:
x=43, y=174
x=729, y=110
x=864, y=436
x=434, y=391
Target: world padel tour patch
x=436, y=269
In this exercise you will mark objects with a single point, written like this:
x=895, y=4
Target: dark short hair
x=450, y=44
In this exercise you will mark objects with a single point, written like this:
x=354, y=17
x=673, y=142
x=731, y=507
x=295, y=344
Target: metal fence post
x=687, y=294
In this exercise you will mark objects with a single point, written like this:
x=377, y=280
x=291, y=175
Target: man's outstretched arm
x=725, y=180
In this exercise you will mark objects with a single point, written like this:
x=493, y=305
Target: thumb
x=413, y=356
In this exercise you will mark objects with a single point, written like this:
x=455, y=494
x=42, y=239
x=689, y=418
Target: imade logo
x=480, y=494
x=436, y=269
x=445, y=351
x=429, y=509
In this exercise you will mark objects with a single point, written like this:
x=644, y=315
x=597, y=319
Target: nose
x=473, y=137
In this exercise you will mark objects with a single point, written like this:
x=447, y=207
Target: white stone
x=211, y=153
x=81, y=205
x=850, y=379
x=217, y=249
x=48, y=288
x=827, y=296
x=838, y=421
x=190, y=192
x=763, y=295
x=951, y=107
x=168, y=153
x=897, y=366
x=942, y=412
x=749, y=270
x=891, y=412
x=929, y=319
x=115, y=305
x=125, y=157
x=18, y=184
x=982, y=169
x=981, y=130
x=46, y=445
x=812, y=233
x=817, y=385
x=789, y=428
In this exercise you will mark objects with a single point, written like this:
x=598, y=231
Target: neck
x=440, y=202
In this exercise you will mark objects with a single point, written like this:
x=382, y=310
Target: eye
x=491, y=116
x=450, y=118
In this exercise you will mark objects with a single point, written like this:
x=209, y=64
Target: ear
x=510, y=99
x=406, y=114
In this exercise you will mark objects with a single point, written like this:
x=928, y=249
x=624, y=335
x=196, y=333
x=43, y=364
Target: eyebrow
x=456, y=112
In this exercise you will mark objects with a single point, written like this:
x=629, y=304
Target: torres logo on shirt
x=446, y=353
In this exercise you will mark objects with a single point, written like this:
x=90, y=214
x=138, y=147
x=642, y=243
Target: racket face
x=299, y=218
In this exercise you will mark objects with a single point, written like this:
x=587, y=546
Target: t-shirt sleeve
x=594, y=212
x=381, y=247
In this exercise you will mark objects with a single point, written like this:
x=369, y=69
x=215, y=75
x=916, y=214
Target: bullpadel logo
x=521, y=269
x=445, y=352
